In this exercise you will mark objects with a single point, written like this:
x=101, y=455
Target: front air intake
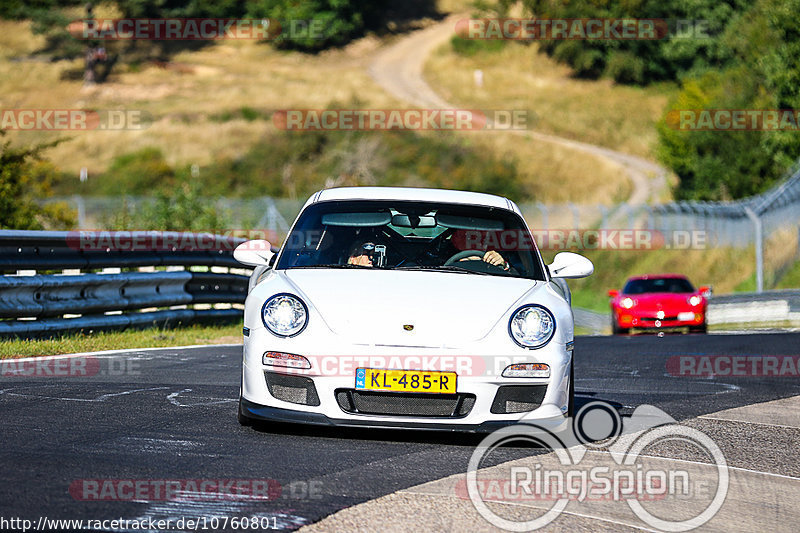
x=292, y=389
x=405, y=404
x=517, y=398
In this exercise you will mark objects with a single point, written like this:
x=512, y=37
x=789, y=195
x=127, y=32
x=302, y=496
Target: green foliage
x=335, y=22
x=183, y=208
x=182, y=8
x=470, y=47
x=24, y=179
x=136, y=173
x=764, y=43
x=730, y=54
x=295, y=164
x=688, y=48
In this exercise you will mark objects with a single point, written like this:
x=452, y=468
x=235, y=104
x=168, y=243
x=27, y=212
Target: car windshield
x=394, y=235
x=642, y=286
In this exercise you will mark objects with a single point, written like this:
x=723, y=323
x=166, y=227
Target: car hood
x=376, y=307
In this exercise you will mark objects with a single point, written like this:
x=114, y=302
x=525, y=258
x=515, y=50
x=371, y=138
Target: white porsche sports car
x=407, y=308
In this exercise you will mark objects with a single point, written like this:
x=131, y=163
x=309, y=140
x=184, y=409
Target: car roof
x=413, y=194
x=658, y=276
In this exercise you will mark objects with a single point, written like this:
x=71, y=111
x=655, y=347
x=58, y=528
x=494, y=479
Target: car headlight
x=627, y=303
x=284, y=315
x=694, y=300
x=532, y=326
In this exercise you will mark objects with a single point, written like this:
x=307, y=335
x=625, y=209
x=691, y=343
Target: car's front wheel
x=618, y=330
x=243, y=420
x=698, y=329
x=571, y=401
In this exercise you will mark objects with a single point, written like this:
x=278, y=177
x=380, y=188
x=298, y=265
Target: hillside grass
x=517, y=76
x=214, y=103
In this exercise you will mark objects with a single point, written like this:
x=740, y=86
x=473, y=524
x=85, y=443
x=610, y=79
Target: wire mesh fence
x=733, y=224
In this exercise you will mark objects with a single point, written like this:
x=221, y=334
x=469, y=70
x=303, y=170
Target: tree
x=764, y=74
x=25, y=178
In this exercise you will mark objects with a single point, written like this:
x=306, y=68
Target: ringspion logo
x=598, y=457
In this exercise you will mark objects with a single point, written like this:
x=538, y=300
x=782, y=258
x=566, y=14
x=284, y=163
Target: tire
x=616, y=330
x=571, y=402
x=698, y=329
x=243, y=420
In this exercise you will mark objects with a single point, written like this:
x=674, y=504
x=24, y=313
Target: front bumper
x=263, y=412
x=324, y=403
x=652, y=321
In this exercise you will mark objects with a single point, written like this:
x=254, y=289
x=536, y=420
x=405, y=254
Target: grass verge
x=115, y=340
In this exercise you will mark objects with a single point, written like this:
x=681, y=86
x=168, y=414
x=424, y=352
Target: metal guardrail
x=768, y=307
x=47, y=301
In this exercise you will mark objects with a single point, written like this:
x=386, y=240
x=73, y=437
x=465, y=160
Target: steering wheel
x=463, y=255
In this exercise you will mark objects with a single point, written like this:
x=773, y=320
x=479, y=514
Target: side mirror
x=705, y=291
x=613, y=293
x=570, y=265
x=254, y=253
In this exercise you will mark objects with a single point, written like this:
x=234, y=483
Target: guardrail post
x=759, y=248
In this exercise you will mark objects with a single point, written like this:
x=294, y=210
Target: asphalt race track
x=171, y=415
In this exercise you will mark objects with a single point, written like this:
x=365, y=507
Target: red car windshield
x=643, y=286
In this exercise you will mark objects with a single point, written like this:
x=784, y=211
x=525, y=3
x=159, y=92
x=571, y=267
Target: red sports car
x=658, y=301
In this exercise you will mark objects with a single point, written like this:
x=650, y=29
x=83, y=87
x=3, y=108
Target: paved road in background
x=170, y=414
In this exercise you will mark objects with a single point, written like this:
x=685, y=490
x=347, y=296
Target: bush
x=136, y=173
x=470, y=47
x=339, y=20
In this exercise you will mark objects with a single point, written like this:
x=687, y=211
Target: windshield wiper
x=444, y=268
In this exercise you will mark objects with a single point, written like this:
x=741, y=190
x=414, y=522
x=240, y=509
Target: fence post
x=759, y=248
x=543, y=209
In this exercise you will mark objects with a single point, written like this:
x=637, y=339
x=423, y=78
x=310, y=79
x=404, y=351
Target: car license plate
x=686, y=316
x=433, y=382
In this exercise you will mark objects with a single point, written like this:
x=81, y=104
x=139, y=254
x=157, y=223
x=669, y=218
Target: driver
x=362, y=255
x=493, y=258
